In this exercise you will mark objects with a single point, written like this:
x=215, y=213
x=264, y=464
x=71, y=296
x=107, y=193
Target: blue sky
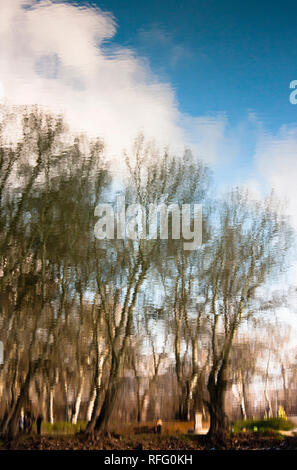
x=224, y=55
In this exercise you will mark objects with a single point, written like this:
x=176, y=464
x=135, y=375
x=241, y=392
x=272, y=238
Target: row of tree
x=79, y=314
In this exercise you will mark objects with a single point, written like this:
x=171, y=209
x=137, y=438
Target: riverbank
x=243, y=441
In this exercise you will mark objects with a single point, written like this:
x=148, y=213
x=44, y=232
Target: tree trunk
x=217, y=385
x=218, y=418
x=95, y=410
x=188, y=403
x=239, y=394
x=10, y=427
x=243, y=409
x=78, y=401
x=245, y=403
x=138, y=399
x=51, y=405
x=106, y=408
x=96, y=392
x=91, y=403
x=268, y=407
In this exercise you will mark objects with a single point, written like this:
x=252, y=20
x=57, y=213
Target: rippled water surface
x=132, y=288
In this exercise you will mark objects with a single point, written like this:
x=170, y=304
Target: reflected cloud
x=55, y=54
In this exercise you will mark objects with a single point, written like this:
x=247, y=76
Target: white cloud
x=207, y=136
x=52, y=54
x=276, y=162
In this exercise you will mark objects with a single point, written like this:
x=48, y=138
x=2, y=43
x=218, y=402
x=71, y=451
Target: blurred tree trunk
x=78, y=398
x=50, y=412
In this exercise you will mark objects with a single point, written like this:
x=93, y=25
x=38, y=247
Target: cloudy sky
x=212, y=75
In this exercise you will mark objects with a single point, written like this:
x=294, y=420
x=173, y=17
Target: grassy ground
x=262, y=425
x=61, y=428
x=169, y=428
x=141, y=437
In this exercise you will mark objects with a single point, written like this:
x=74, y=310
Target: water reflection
x=102, y=332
